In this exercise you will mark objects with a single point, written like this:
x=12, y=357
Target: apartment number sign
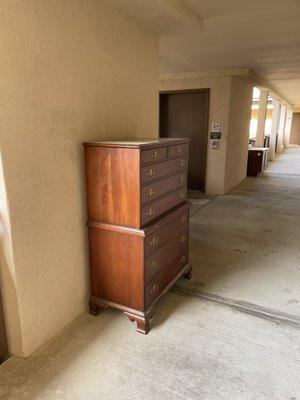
x=215, y=133
x=215, y=136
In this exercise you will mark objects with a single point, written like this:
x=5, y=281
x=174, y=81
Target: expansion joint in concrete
x=270, y=314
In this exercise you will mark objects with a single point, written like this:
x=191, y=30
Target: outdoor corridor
x=245, y=244
x=232, y=332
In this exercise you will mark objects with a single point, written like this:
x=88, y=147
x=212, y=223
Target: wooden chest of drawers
x=138, y=220
x=257, y=160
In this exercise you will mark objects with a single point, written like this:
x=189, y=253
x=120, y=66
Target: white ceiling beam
x=182, y=12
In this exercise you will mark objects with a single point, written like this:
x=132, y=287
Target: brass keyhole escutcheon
x=153, y=241
x=154, y=288
x=151, y=172
x=182, y=163
x=181, y=179
x=151, y=212
x=181, y=195
x=156, y=155
x=182, y=239
x=183, y=219
x=150, y=192
x=154, y=264
x=179, y=150
x=182, y=260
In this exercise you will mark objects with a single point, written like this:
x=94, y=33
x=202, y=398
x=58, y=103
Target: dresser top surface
x=137, y=143
x=259, y=148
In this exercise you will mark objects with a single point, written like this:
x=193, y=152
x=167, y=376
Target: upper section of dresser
x=131, y=183
x=137, y=144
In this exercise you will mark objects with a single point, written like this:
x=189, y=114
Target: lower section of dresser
x=160, y=284
x=131, y=269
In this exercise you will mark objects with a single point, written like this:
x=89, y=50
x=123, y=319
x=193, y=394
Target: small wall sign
x=215, y=144
x=215, y=127
x=215, y=135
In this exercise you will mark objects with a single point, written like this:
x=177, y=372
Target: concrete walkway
x=245, y=246
x=195, y=351
x=245, y=253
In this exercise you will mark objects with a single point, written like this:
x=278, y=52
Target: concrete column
x=275, y=119
x=288, y=127
x=261, y=118
x=281, y=128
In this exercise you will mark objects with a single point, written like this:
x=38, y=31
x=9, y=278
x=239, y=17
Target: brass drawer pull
x=179, y=150
x=154, y=288
x=182, y=239
x=153, y=241
x=181, y=195
x=151, y=212
x=183, y=219
x=181, y=163
x=151, y=192
x=181, y=179
x=182, y=260
x=151, y=172
x=156, y=155
x=153, y=265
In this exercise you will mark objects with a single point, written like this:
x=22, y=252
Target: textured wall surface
x=295, y=132
x=238, y=131
x=230, y=106
x=71, y=70
x=218, y=112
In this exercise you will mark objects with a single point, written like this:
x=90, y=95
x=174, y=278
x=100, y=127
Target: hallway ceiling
x=202, y=35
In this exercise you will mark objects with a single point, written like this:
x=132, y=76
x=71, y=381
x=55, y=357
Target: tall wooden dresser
x=138, y=223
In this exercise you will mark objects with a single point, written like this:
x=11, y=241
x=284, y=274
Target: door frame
x=207, y=91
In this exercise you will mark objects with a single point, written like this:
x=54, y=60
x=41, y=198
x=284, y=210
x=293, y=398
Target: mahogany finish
x=162, y=169
x=179, y=150
x=163, y=186
x=155, y=239
x=157, y=154
x=113, y=185
x=138, y=223
x=161, y=281
x=156, y=208
x=257, y=160
x=165, y=253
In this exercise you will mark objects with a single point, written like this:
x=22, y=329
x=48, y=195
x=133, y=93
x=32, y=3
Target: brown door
x=3, y=342
x=185, y=114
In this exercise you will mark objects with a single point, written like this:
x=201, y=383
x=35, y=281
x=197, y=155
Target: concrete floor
x=195, y=351
x=245, y=253
x=245, y=246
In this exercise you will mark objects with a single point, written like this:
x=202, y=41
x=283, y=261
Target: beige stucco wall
x=295, y=129
x=71, y=70
x=7, y=273
x=238, y=128
x=219, y=105
x=230, y=106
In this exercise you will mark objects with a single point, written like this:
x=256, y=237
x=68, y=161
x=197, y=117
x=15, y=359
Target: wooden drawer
x=178, y=150
x=158, y=154
x=159, y=170
x=153, y=210
x=162, y=187
x=153, y=241
x=165, y=253
x=157, y=285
